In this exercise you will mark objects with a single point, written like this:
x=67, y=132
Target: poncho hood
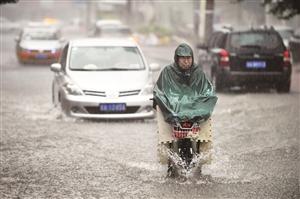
x=183, y=50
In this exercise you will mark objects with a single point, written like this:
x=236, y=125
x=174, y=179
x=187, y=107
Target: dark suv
x=247, y=58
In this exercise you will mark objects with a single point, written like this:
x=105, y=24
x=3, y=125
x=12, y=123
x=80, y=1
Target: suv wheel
x=283, y=87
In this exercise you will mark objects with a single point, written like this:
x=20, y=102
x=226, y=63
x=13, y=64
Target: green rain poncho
x=184, y=95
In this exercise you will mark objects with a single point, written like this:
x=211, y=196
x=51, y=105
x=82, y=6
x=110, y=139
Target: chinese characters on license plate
x=256, y=64
x=113, y=107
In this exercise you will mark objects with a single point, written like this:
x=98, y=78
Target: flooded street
x=45, y=154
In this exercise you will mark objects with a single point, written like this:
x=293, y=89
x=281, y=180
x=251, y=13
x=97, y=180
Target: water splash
x=53, y=113
x=185, y=170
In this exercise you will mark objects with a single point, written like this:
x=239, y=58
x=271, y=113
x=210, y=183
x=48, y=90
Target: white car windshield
x=40, y=35
x=106, y=58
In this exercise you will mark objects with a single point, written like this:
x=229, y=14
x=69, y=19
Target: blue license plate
x=256, y=64
x=41, y=56
x=113, y=107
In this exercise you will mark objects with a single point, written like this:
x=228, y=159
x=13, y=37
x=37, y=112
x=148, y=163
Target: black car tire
x=283, y=87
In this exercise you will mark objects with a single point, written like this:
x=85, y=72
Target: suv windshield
x=256, y=40
x=105, y=58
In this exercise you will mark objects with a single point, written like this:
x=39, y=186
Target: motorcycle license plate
x=113, y=107
x=256, y=64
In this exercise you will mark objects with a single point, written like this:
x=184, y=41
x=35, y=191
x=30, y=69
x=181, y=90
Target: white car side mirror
x=56, y=67
x=154, y=67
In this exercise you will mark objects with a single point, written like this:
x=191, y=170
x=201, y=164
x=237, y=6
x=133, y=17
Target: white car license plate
x=113, y=107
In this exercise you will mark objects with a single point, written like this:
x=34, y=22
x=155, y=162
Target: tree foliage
x=8, y=1
x=283, y=9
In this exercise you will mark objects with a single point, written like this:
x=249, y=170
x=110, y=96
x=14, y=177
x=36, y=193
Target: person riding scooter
x=183, y=94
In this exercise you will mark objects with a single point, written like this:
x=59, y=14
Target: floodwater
x=45, y=154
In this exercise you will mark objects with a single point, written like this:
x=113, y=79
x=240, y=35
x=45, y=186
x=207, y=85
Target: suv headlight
x=148, y=89
x=72, y=89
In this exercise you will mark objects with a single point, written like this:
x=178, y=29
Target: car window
x=106, y=58
x=258, y=40
x=40, y=35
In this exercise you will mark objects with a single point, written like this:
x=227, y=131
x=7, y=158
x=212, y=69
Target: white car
x=103, y=78
x=39, y=45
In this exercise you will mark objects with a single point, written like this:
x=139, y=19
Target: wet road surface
x=47, y=155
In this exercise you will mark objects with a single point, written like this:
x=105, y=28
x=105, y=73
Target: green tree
x=283, y=9
x=8, y=1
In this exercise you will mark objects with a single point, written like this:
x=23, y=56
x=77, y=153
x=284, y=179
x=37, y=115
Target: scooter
x=184, y=146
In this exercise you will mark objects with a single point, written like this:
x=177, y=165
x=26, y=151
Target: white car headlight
x=72, y=89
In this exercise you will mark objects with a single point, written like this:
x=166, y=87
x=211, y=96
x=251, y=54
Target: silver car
x=103, y=78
